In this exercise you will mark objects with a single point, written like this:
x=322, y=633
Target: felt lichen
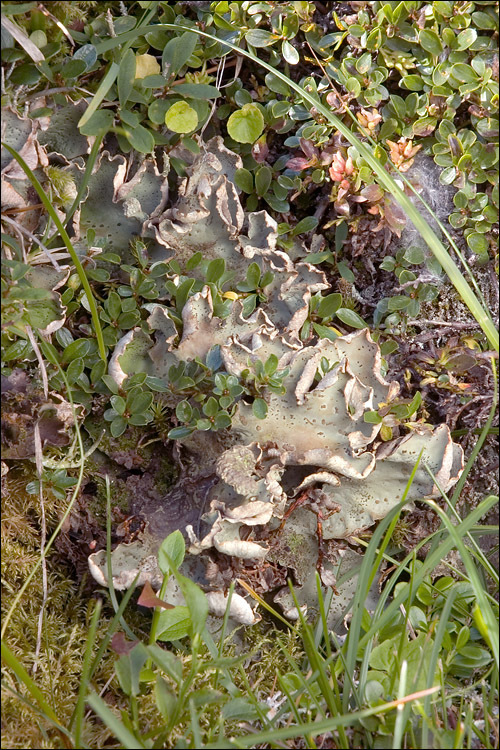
x=319, y=439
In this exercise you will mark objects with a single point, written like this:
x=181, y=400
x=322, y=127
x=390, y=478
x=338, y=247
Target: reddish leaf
x=148, y=598
x=372, y=193
x=298, y=163
x=121, y=645
x=308, y=148
x=260, y=150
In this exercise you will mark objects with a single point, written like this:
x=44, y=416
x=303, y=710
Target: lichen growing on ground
x=321, y=438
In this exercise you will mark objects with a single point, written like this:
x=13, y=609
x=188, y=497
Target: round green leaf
x=88, y=54
x=118, y=404
x=259, y=408
x=181, y=118
x=478, y=243
x=140, y=402
x=464, y=73
x=222, y=420
x=75, y=350
x=246, y=124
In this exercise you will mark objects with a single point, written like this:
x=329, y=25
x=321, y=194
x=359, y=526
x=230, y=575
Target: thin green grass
x=74, y=257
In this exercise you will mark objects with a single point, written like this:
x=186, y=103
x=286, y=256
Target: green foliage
x=181, y=118
x=131, y=409
x=426, y=80
x=246, y=124
x=413, y=283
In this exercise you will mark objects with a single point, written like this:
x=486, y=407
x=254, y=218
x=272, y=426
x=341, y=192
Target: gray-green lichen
x=315, y=441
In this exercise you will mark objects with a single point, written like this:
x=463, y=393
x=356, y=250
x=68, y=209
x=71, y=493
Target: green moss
x=66, y=616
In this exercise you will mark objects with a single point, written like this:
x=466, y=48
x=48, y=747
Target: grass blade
x=85, y=676
x=74, y=257
x=15, y=665
x=484, y=605
x=101, y=92
x=128, y=740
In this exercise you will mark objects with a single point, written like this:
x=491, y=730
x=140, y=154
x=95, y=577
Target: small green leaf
x=181, y=118
x=88, y=54
x=222, y=421
x=197, y=91
x=259, y=408
x=276, y=85
x=323, y=332
x=172, y=547
x=431, y=42
x=140, y=402
x=184, y=411
x=178, y=433
x=178, y=51
x=75, y=369
x=398, y=302
x=118, y=404
x=372, y=417
x=304, y=226
x=165, y=698
x=353, y=86
x=253, y=275
x=246, y=124
x=118, y=426
x=345, y=271
x=341, y=232
x=126, y=76
x=414, y=255
x=141, y=139
x=289, y=52
x=259, y=38
x=351, y=318
x=478, y=243
x=263, y=178
x=244, y=180
x=196, y=602
x=215, y=270
x=174, y=624
x=78, y=348
x=203, y=425
x=271, y=364
x=210, y=407
x=412, y=82
x=466, y=38
x=128, y=668
x=329, y=305
x=484, y=20
x=464, y=73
